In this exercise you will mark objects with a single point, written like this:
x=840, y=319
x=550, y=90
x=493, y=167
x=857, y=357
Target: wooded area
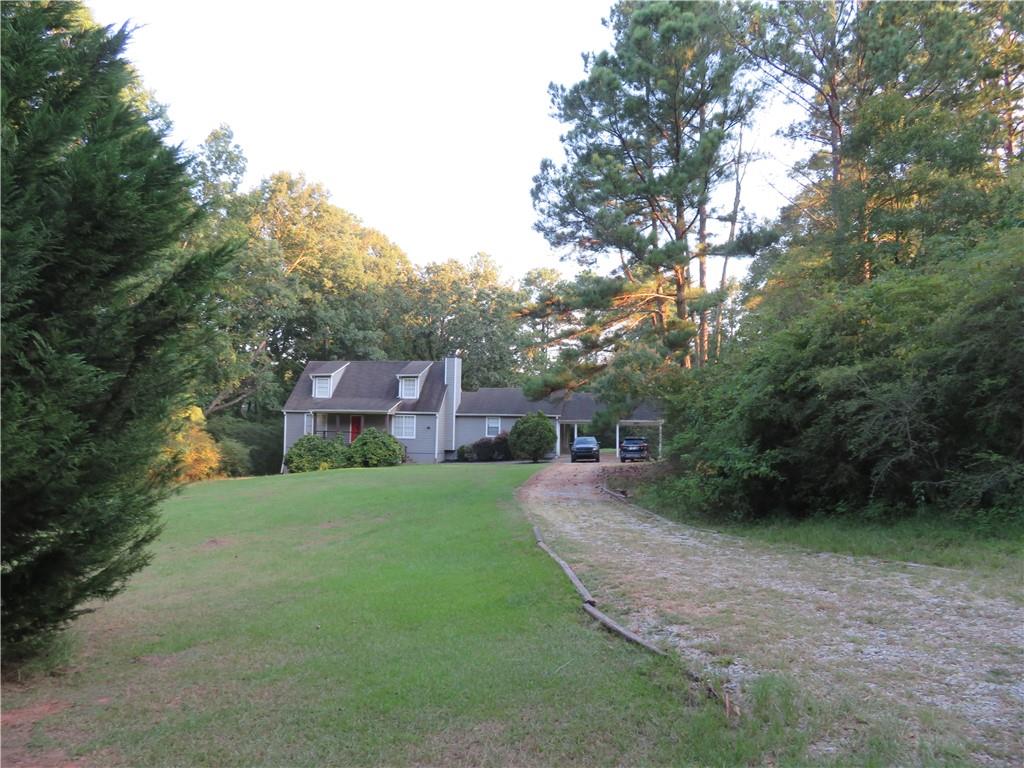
x=877, y=365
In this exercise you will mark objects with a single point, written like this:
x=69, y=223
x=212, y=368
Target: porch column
x=616, y=439
x=575, y=431
x=558, y=439
x=659, y=438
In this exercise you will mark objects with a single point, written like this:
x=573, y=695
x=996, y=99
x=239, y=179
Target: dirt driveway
x=931, y=659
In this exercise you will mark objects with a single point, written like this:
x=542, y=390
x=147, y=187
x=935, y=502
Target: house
x=422, y=404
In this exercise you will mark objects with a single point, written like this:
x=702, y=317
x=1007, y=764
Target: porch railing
x=331, y=434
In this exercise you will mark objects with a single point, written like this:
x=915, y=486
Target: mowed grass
x=385, y=616
x=988, y=549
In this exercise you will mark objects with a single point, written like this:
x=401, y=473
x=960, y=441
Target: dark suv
x=585, y=448
x=634, y=449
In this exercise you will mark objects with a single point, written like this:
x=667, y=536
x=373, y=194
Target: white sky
x=426, y=120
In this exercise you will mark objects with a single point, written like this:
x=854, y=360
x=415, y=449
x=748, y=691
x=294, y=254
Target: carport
x=644, y=416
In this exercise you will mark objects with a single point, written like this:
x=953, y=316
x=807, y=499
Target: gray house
x=422, y=404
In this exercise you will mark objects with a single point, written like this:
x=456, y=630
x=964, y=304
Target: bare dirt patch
x=17, y=732
x=215, y=544
x=33, y=714
x=930, y=654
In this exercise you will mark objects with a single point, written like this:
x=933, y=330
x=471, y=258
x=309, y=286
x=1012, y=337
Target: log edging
x=590, y=604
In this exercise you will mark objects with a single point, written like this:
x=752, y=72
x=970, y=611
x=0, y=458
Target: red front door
x=355, y=427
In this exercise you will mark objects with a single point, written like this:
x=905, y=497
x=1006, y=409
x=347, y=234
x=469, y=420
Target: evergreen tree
x=646, y=144
x=101, y=311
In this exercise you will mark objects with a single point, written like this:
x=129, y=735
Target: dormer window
x=321, y=386
x=409, y=387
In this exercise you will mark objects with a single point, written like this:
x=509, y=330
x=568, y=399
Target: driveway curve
x=931, y=659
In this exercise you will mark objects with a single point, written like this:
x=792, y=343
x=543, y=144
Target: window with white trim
x=321, y=386
x=408, y=387
x=493, y=427
x=403, y=425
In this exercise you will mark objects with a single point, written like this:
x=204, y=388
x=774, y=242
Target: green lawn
x=930, y=541
x=381, y=616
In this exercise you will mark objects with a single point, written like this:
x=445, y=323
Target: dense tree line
x=879, y=362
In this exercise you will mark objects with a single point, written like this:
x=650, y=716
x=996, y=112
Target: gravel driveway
x=929, y=658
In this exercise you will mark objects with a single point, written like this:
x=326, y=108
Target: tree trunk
x=682, y=311
x=739, y=171
x=702, y=256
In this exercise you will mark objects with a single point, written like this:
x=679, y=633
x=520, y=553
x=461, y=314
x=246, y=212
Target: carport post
x=616, y=439
x=575, y=431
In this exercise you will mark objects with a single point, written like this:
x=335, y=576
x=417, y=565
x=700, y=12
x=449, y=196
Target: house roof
x=369, y=387
x=569, y=407
x=577, y=406
x=414, y=368
x=504, y=401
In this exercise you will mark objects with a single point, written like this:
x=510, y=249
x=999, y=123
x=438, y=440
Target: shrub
x=309, y=453
x=341, y=455
x=261, y=435
x=374, y=448
x=465, y=453
x=235, y=457
x=192, y=446
x=502, y=452
x=483, y=449
x=532, y=437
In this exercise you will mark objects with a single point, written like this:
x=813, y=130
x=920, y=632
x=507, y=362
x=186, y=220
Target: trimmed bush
x=502, y=451
x=483, y=449
x=465, y=453
x=310, y=453
x=532, y=437
x=374, y=448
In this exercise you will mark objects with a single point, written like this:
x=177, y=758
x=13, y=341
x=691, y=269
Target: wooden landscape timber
x=589, y=604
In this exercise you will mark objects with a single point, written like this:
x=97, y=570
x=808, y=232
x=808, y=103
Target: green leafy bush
x=888, y=399
x=502, y=452
x=532, y=437
x=235, y=458
x=483, y=449
x=374, y=448
x=465, y=453
x=309, y=453
x=261, y=437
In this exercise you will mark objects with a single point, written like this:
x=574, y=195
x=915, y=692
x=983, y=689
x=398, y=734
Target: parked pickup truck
x=634, y=449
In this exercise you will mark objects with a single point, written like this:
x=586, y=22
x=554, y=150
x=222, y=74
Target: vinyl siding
x=293, y=426
x=469, y=429
x=421, y=448
x=444, y=437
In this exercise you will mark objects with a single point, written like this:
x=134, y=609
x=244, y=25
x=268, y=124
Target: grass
x=912, y=540
x=383, y=616
x=923, y=540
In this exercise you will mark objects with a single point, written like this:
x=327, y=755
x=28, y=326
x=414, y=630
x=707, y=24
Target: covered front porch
x=347, y=426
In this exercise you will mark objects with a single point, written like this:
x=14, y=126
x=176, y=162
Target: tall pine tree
x=646, y=144
x=102, y=310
